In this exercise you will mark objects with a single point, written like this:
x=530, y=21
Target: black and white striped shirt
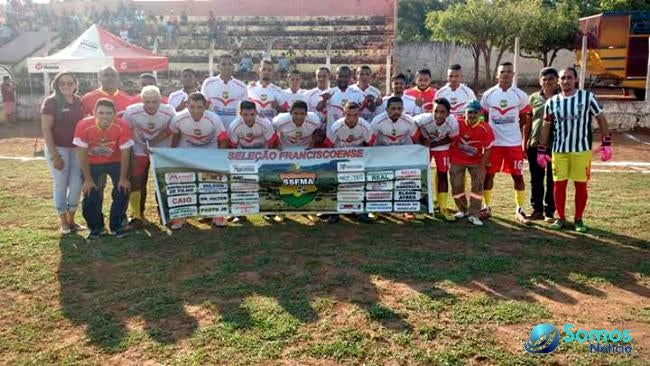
x=571, y=120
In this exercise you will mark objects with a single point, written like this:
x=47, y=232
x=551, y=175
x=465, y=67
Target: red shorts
x=441, y=158
x=507, y=159
x=140, y=165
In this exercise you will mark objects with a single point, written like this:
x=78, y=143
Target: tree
x=411, y=16
x=549, y=29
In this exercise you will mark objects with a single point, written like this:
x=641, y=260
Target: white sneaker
x=177, y=224
x=460, y=215
x=474, y=221
x=278, y=219
x=219, y=222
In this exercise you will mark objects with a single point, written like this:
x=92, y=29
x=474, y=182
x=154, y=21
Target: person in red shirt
x=470, y=151
x=423, y=92
x=108, y=80
x=104, y=148
x=8, y=88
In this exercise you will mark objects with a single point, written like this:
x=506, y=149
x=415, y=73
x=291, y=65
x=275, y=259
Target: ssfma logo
x=544, y=338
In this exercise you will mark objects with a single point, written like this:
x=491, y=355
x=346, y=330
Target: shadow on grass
x=148, y=282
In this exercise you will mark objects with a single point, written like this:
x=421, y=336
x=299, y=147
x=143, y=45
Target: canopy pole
x=583, y=62
x=211, y=56
x=155, y=50
x=647, y=78
x=46, y=83
x=514, y=62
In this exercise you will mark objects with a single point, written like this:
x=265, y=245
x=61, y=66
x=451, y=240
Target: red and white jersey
x=312, y=99
x=263, y=97
x=291, y=135
x=385, y=132
x=338, y=100
x=427, y=95
x=147, y=126
x=503, y=109
x=289, y=97
x=369, y=90
x=178, y=97
x=341, y=135
x=224, y=97
x=434, y=132
x=458, y=98
x=410, y=107
x=257, y=136
x=204, y=133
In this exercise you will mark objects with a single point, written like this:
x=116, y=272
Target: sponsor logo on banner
x=408, y=184
x=379, y=196
x=179, y=212
x=213, y=187
x=351, y=177
x=213, y=198
x=405, y=206
x=245, y=197
x=244, y=208
x=351, y=187
x=380, y=186
x=213, y=210
x=298, y=188
x=350, y=196
x=350, y=166
x=379, y=206
x=380, y=176
x=244, y=187
x=243, y=168
x=408, y=174
x=349, y=207
x=175, y=189
x=408, y=195
x=184, y=200
x=174, y=178
x=213, y=177
x=242, y=178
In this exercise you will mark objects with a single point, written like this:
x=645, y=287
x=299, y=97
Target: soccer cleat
x=373, y=216
x=460, y=215
x=278, y=219
x=408, y=216
x=474, y=221
x=93, y=236
x=485, y=213
x=580, y=226
x=219, y=222
x=537, y=215
x=333, y=219
x=313, y=218
x=364, y=218
x=559, y=224
x=448, y=216
x=521, y=217
x=233, y=219
x=119, y=234
x=134, y=224
x=549, y=219
x=177, y=224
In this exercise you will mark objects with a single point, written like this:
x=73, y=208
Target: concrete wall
x=435, y=56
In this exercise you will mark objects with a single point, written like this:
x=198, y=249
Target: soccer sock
x=520, y=198
x=487, y=197
x=134, y=202
x=435, y=189
x=559, y=193
x=442, y=197
x=581, y=199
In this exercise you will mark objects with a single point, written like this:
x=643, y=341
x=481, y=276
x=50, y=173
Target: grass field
x=422, y=292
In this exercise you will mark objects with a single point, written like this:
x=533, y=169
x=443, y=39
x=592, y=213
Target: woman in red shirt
x=60, y=113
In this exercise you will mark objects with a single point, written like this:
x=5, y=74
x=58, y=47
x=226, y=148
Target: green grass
x=423, y=292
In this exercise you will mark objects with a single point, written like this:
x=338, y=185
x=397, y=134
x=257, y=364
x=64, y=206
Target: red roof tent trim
x=128, y=57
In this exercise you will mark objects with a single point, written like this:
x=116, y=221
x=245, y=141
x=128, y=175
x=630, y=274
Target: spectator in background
x=124, y=33
x=283, y=64
x=8, y=88
x=60, y=113
x=408, y=75
x=246, y=64
x=173, y=18
x=184, y=19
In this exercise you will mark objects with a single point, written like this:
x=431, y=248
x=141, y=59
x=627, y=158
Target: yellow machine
x=617, y=44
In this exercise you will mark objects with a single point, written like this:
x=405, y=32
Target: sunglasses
x=66, y=83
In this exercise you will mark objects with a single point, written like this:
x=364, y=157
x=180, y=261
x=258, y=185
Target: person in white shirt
x=224, y=92
x=179, y=98
x=457, y=94
x=294, y=92
x=397, y=86
x=313, y=95
x=333, y=100
x=372, y=94
x=267, y=96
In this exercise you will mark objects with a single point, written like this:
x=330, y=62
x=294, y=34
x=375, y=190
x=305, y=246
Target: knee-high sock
x=435, y=188
x=134, y=202
x=487, y=197
x=520, y=198
x=559, y=193
x=581, y=199
x=442, y=198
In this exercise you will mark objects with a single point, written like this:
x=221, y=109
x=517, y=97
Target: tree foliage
x=412, y=15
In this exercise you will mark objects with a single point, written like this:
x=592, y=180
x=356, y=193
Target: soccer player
x=438, y=129
x=397, y=85
x=268, y=97
x=104, y=148
x=507, y=109
x=423, y=92
x=149, y=124
x=541, y=201
x=294, y=92
x=470, y=151
x=8, y=89
x=144, y=80
x=457, y=93
x=372, y=94
x=313, y=95
x=333, y=100
x=394, y=127
x=568, y=115
x=198, y=128
x=298, y=130
x=108, y=81
x=348, y=131
x=224, y=92
x=179, y=98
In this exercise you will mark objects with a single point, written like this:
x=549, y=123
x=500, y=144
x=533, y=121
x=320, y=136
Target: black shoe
x=537, y=215
x=93, y=236
x=119, y=234
x=364, y=218
x=333, y=219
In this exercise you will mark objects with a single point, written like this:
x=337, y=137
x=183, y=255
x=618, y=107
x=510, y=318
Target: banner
x=209, y=183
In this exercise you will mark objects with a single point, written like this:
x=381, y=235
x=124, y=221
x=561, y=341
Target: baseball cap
x=548, y=71
x=473, y=106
